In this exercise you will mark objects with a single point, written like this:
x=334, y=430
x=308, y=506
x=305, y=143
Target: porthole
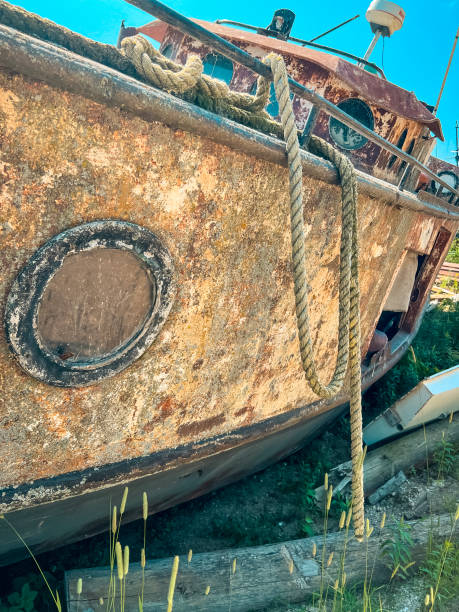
x=344, y=136
x=89, y=302
x=450, y=178
x=218, y=66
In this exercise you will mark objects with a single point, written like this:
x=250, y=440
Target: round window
x=450, y=178
x=344, y=136
x=89, y=302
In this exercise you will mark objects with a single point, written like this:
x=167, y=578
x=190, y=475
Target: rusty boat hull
x=219, y=392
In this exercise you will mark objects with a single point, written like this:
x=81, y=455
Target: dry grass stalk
x=119, y=561
x=170, y=594
x=123, y=501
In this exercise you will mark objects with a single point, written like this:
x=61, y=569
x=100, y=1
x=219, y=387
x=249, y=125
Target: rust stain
x=199, y=427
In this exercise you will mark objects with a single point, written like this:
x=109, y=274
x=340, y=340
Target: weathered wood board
x=262, y=577
x=401, y=454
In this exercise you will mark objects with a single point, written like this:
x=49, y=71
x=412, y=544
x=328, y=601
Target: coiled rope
x=190, y=83
x=189, y=80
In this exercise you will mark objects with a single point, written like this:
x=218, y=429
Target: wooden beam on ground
x=283, y=573
x=384, y=462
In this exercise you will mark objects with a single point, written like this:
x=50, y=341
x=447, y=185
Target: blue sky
x=414, y=58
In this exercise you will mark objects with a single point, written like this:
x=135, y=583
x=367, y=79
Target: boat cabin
x=362, y=91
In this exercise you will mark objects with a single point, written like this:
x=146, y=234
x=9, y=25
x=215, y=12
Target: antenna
x=434, y=112
x=457, y=145
x=385, y=18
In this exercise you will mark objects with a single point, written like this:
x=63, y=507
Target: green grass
x=453, y=253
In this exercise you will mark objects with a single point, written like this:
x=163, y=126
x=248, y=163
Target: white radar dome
x=387, y=17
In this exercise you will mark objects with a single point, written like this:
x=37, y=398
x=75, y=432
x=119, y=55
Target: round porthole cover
x=89, y=302
x=344, y=136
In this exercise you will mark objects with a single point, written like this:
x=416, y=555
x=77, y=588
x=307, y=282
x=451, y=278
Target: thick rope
x=190, y=80
x=349, y=295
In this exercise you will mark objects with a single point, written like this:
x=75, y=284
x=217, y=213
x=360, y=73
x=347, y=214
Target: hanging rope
x=190, y=81
x=349, y=295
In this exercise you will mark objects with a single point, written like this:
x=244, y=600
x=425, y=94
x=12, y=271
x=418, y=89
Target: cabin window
x=344, y=136
x=89, y=302
x=400, y=143
x=168, y=51
x=409, y=151
x=218, y=66
x=273, y=105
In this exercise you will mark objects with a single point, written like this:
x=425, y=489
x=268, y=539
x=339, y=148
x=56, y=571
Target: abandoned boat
x=150, y=335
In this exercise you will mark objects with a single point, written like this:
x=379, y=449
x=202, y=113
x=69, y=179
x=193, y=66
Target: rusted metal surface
x=65, y=70
x=324, y=78
x=167, y=482
x=379, y=91
x=426, y=277
x=227, y=355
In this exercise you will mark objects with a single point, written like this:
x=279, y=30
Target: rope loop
x=348, y=354
x=215, y=95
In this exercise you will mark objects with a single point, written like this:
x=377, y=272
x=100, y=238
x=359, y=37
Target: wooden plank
x=425, y=279
x=384, y=462
x=262, y=577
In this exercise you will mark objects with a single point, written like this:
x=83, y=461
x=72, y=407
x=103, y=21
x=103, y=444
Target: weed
x=453, y=253
x=307, y=526
x=396, y=549
x=444, y=457
x=20, y=602
x=442, y=566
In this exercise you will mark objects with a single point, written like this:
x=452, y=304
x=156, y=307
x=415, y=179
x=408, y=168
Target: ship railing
x=319, y=103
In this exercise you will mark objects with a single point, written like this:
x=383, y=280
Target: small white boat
x=433, y=398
